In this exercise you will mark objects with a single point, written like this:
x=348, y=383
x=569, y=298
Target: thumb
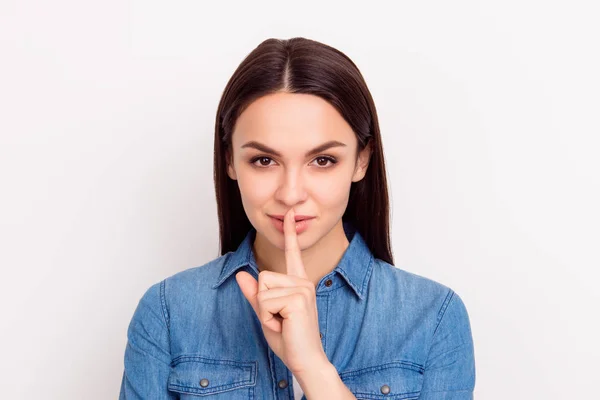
x=249, y=287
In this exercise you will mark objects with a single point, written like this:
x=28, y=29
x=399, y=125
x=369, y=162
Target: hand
x=286, y=306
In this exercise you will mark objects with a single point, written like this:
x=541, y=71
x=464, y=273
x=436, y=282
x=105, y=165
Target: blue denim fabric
x=390, y=334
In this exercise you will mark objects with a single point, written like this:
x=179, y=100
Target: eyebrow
x=261, y=147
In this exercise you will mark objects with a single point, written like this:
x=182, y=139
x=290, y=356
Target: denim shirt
x=389, y=333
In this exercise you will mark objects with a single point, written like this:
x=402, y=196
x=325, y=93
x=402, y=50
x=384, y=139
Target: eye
x=262, y=161
x=323, y=160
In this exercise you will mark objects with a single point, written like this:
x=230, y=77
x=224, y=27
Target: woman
x=316, y=308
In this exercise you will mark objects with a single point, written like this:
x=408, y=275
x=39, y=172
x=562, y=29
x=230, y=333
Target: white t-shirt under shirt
x=298, y=393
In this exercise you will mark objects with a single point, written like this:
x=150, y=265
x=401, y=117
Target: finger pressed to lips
x=293, y=259
x=301, y=226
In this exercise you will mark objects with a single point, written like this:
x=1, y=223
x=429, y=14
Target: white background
x=489, y=117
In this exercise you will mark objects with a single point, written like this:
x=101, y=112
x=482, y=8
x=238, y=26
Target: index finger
x=293, y=258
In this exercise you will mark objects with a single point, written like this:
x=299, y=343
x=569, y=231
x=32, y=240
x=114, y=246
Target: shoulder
x=419, y=291
x=409, y=283
x=186, y=288
x=204, y=275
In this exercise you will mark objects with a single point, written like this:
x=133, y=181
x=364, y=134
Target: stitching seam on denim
x=165, y=311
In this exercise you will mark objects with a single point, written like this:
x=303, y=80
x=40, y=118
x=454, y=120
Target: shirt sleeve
x=147, y=355
x=450, y=368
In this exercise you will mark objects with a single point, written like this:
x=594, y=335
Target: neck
x=318, y=259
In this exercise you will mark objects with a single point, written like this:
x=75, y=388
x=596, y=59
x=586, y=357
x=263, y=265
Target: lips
x=297, y=218
x=302, y=223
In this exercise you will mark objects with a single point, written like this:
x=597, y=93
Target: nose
x=291, y=190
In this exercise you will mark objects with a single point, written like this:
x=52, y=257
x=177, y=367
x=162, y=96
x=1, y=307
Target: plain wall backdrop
x=489, y=117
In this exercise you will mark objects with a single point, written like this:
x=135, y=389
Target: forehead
x=291, y=120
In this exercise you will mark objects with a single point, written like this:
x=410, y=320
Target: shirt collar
x=355, y=266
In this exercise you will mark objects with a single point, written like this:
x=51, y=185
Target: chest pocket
x=395, y=380
x=193, y=376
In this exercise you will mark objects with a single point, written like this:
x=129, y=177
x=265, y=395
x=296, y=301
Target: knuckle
x=262, y=276
x=309, y=289
x=299, y=298
x=264, y=317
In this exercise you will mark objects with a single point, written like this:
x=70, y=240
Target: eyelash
x=332, y=160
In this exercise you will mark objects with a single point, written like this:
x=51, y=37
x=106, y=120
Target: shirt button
x=283, y=384
x=204, y=382
x=328, y=282
x=385, y=389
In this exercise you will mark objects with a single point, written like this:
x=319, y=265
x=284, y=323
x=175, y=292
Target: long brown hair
x=300, y=65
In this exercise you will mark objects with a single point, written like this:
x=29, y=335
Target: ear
x=362, y=163
x=230, y=168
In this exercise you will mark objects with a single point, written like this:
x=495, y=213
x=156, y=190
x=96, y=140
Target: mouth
x=297, y=218
x=302, y=222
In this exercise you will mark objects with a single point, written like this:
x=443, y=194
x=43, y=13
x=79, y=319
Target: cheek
x=256, y=189
x=333, y=192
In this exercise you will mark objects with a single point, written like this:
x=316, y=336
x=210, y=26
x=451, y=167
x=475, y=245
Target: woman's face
x=296, y=151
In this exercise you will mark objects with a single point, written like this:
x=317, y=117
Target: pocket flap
x=201, y=375
x=395, y=380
